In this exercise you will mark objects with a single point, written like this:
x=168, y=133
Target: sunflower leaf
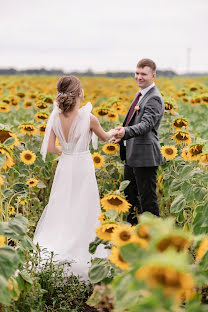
x=123, y=185
x=178, y=204
x=9, y=141
x=2, y=159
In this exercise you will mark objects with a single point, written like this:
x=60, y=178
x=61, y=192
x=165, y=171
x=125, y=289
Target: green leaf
x=130, y=253
x=19, y=187
x=9, y=141
x=41, y=185
x=4, y=291
x=2, y=159
x=111, y=214
x=124, y=185
x=9, y=261
x=99, y=270
x=178, y=204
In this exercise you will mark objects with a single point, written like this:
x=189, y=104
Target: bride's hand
x=112, y=133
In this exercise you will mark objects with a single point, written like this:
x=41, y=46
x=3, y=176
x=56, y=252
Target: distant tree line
x=89, y=73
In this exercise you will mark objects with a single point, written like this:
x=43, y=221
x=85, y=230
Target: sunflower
x=41, y=117
x=2, y=240
x=117, y=259
x=41, y=105
x=104, y=231
x=102, y=217
x=203, y=160
x=22, y=201
x=4, y=108
x=27, y=157
x=122, y=235
x=203, y=248
x=21, y=94
x=9, y=162
x=169, y=152
x=169, y=104
x=173, y=281
x=184, y=154
x=32, y=182
x=113, y=116
x=179, y=123
x=142, y=232
x=1, y=181
x=110, y=148
x=181, y=137
x=98, y=160
x=41, y=129
x=115, y=202
x=100, y=112
x=194, y=151
x=27, y=128
x=28, y=104
x=11, y=210
x=178, y=242
x=6, y=134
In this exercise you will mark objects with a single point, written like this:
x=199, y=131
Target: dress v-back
x=68, y=222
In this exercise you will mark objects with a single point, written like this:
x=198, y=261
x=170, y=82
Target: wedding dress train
x=68, y=222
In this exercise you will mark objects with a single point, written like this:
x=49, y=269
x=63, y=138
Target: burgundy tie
x=132, y=108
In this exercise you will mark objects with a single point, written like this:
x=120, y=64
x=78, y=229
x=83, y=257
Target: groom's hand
x=120, y=132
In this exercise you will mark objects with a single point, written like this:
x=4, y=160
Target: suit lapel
x=129, y=108
x=142, y=100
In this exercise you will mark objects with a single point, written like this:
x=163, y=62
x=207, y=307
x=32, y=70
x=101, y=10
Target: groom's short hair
x=147, y=62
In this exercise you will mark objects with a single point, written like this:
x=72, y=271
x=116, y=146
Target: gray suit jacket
x=141, y=135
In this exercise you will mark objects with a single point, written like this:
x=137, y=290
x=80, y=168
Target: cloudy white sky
x=104, y=35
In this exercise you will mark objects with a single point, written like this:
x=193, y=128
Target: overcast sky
x=104, y=35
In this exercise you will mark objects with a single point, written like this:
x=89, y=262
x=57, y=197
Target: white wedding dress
x=68, y=222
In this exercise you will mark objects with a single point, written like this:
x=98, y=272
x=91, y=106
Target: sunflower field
x=159, y=265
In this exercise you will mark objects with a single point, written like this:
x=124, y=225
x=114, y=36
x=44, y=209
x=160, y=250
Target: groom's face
x=144, y=76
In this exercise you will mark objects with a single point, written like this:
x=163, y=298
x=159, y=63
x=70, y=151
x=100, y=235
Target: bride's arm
x=52, y=148
x=99, y=131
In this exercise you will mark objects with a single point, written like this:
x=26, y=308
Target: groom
x=139, y=142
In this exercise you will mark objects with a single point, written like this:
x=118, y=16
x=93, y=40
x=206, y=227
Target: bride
x=68, y=222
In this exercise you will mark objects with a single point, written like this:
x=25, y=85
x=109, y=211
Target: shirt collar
x=144, y=91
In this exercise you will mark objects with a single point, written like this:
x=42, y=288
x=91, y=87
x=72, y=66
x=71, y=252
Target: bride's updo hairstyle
x=69, y=88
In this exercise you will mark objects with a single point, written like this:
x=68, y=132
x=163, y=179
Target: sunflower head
x=1, y=181
x=27, y=157
x=2, y=240
x=11, y=210
x=28, y=104
x=41, y=105
x=122, y=235
x=180, y=122
x=175, y=241
x=203, y=160
x=32, y=182
x=194, y=151
x=4, y=108
x=202, y=249
x=182, y=137
x=104, y=231
x=27, y=128
x=41, y=117
x=98, y=160
x=7, y=134
x=116, y=202
x=117, y=259
x=41, y=129
x=6, y=152
x=113, y=116
x=110, y=148
x=169, y=152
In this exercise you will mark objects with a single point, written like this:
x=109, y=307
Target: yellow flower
x=41, y=129
x=115, y=202
x=32, y=182
x=4, y=108
x=104, y=231
x=100, y=112
x=21, y=94
x=102, y=217
x=203, y=160
x=6, y=134
x=194, y=151
x=178, y=242
x=113, y=116
x=11, y=210
x=1, y=181
x=110, y=148
x=9, y=162
x=174, y=282
x=169, y=152
x=122, y=235
x=22, y=201
x=182, y=137
x=2, y=240
x=28, y=104
x=41, y=105
x=142, y=232
x=179, y=123
x=98, y=160
x=203, y=248
x=184, y=154
x=27, y=129
x=116, y=258
x=27, y=157
x=41, y=117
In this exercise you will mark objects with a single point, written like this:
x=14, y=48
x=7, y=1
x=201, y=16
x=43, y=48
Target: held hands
x=118, y=135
